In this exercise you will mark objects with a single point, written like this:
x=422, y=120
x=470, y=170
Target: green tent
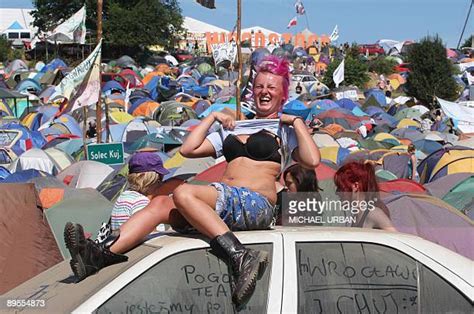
x=461, y=196
x=85, y=206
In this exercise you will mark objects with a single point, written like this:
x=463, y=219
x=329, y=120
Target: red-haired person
x=356, y=182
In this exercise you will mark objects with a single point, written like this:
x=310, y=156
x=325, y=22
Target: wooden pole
x=99, y=104
x=239, y=57
x=84, y=132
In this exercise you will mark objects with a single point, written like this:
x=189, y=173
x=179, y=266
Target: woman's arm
x=378, y=220
x=307, y=152
x=413, y=166
x=196, y=144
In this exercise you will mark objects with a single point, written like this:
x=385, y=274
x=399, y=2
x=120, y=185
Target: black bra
x=260, y=146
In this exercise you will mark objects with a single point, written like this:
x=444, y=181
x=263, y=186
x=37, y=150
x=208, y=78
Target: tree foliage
x=5, y=49
x=382, y=65
x=148, y=22
x=355, y=72
x=431, y=72
x=468, y=42
x=125, y=23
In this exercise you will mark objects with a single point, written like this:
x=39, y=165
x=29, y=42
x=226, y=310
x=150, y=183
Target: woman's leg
x=160, y=210
x=197, y=205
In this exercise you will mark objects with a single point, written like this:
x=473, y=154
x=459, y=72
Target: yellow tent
x=406, y=123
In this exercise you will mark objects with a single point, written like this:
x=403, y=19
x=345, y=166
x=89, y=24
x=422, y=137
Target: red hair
x=277, y=66
x=364, y=175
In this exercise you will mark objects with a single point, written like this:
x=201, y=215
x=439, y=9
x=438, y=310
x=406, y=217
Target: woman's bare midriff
x=258, y=176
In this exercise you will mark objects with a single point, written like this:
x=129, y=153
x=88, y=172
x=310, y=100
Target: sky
x=362, y=21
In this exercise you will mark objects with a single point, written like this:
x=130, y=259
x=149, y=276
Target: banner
x=338, y=75
x=463, y=117
x=299, y=8
x=224, y=52
x=73, y=30
x=82, y=83
x=247, y=94
x=292, y=22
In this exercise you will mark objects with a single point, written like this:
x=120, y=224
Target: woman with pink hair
x=256, y=152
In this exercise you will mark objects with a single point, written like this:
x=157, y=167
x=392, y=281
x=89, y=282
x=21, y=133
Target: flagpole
x=99, y=105
x=239, y=57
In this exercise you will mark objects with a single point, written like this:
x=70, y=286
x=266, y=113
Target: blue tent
x=427, y=146
x=4, y=173
x=220, y=107
x=24, y=176
x=53, y=65
x=152, y=87
x=385, y=118
x=376, y=95
x=112, y=85
x=28, y=84
x=37, y=140
x=70, y=123
x=347, y=103
x=371, y=110
x=322, y=105
x=296, y=108
x=137, y=102
x=207, y=78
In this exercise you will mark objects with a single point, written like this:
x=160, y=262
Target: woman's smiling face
x=268, y=93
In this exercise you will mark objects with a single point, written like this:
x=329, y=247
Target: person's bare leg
x=143, y=223
x=197, y=204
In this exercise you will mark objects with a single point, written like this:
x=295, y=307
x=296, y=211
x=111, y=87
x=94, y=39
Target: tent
x=38, y=159
x=85, y=174
x=323, y=139
x=397, y=163
x=15, y=97
x=85, y=206
x=401, y=186
x=448, y=160
x=432, y=219
x=28, y=246
x=24, y=176
x=336, y=155
x=28, y=85
x=456, y=190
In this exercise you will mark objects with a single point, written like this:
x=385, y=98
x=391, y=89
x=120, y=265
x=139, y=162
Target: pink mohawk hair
x=277, y=66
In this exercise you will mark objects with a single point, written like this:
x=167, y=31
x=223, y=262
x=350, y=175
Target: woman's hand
x=289, y=119
x=227, y=121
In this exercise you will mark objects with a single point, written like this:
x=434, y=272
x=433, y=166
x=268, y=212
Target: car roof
x=58, y=288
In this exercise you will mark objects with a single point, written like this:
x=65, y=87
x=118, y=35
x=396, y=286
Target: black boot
x=88, y=257
x=246, y=265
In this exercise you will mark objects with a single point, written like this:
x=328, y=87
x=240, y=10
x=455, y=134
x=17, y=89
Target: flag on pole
x=82, y=85
x=338, y=75
x=299, y=8
x=292, y=22
x=73, y=30
x=210, y=4
x=335, y=34
x=128, y=92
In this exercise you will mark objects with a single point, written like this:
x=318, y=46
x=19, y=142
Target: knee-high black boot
x=246, y=265
x=88, y=257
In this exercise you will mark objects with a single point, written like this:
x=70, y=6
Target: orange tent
x=146, y=109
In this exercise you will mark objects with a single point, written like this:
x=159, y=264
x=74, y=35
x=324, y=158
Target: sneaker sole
x=73, y=237
x=256, y=274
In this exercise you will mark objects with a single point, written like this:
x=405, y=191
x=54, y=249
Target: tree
x=382, y=65
x=431, y=72
x=468, y=42
x=125, y=23
x=355, y=72
x=149, y=22
x=5, y=49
